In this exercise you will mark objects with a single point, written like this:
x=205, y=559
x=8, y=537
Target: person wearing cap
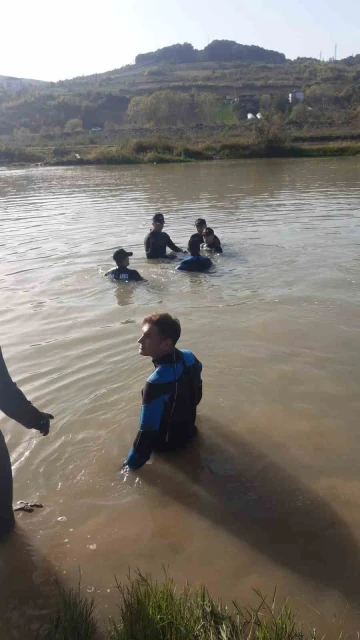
x=17, y=407
x=121, y=271
x=157, y=240
x=211, y=241
x=195, y=262
x=200, y=225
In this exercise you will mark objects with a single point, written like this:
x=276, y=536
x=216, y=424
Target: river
x=270, y=494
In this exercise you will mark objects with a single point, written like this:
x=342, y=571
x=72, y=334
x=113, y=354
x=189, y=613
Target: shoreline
x=167, y=151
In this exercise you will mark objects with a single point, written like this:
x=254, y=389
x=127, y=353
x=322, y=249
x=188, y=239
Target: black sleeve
x=13, y=402
x=135, y=275
x=171, y=245
x=147, y=244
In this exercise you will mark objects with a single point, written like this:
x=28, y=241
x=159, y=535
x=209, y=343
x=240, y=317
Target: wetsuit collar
x=168, y=358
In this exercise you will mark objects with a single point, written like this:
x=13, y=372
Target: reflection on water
x=270, y=493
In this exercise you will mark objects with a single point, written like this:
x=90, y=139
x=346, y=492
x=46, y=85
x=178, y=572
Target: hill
x=178, y=91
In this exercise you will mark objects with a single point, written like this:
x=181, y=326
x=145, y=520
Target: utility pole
x=335, y=52
x=320, y=56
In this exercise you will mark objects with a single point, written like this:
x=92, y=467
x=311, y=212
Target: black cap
x=200, y=221
x=158, y=217
x=121, y=254
x=208, y=231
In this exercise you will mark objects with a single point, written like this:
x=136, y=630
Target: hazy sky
x=55, y=40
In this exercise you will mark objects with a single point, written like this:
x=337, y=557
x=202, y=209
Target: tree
x=73, y=126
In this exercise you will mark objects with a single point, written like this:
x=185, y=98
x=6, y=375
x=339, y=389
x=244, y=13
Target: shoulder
x=112, y=272
x=134, y=275
x=189, y=357
x=162, y=375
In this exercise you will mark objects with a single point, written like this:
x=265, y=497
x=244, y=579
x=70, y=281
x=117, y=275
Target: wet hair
x=167, y=326
x=194, y=244
x=209, y=231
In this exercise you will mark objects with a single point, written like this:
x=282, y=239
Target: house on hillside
x=296, y=96
x=12, y=85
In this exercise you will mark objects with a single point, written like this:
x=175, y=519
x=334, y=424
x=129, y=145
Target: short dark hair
x=209, y=231
x=194, y=244
x=167, y=326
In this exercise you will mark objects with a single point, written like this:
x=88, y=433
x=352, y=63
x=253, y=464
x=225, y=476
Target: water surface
x=270, y=495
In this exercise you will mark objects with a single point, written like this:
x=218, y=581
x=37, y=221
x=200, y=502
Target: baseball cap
x=158, y=217
x=121, y=254
x=200, y=222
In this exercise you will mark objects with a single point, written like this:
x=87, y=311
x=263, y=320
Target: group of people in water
x=171, y=393
x=156, y=243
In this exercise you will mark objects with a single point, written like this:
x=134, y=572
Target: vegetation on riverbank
x=150, y=610
x=160, y=150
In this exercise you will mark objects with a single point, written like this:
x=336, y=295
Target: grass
x=74, y=618
x=151, y=610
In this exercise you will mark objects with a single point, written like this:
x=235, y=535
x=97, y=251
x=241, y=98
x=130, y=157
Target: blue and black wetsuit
x=169, y=401
x=195, y=263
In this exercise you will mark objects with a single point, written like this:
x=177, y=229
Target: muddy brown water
x=270, y=494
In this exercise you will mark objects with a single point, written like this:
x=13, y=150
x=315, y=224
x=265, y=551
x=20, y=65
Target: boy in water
x=157, y=240
x=211, y=241
x=196, y=262
x=121, y=271
x=200, y=225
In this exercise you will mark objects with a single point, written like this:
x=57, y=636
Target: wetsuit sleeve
x=14, y=403
x=171, y=245
x=147, y=244
x=198, y=383
x=150, y=418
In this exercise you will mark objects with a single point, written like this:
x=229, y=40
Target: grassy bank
x=157, y=150
x=161, y=611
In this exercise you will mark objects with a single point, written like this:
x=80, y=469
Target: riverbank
x=162, y=611
x=164, y=150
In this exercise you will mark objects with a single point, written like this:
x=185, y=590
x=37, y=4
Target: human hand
x=44, y=425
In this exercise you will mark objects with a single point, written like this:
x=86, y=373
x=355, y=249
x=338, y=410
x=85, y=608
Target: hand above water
x=44, y=423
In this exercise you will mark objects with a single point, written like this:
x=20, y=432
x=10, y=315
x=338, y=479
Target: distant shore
x=161, y=150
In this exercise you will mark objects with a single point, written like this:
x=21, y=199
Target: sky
x=59, y=39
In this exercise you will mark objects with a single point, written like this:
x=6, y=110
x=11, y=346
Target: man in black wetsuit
x=121, y=271
x=157, y=240
x=16, y=406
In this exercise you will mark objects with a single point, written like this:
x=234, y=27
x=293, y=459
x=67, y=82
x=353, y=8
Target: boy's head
x=158, y=222
x=160, y=333
x=209, y=235
x=194, y=246
x=121, y=257
x=200, y=225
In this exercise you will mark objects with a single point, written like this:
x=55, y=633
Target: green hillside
x=179, y=92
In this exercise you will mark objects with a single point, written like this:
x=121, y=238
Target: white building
x=12, y=85
x=296, y=96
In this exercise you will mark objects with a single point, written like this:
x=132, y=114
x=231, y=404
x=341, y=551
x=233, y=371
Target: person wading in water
x=16, y=406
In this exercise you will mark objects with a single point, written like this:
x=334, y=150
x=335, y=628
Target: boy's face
x=125, y=262
x=158, y=226
x=209, y=239
x=200, y=228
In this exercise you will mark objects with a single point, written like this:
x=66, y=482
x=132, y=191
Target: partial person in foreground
x=195, y=262
x=157, y=240
x=16, y=406
x=121, y=271
x=211, y=241
x=171, y=394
